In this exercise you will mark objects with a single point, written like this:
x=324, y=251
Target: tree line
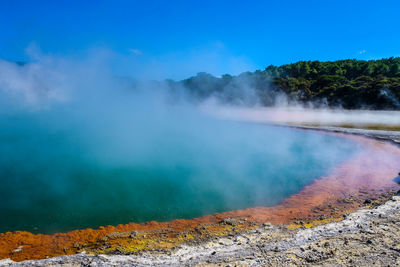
x=350, y=84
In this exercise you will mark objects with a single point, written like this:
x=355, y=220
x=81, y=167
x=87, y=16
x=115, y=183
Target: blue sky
x=178, y=38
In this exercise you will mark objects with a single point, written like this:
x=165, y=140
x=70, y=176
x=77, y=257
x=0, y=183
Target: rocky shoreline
x=365, y=237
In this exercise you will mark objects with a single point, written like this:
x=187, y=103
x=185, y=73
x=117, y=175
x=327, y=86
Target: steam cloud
x=112, y=124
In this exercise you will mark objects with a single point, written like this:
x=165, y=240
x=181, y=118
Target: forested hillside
x=350, y=84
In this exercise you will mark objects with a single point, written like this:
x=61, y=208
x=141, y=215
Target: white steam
x=59, y=114
x=298, y=115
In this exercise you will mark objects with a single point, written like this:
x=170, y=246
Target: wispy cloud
x=214, y=58
x=136, y=51
x=362, y=51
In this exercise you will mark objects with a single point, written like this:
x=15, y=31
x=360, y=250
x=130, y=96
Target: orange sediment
x=367, y=175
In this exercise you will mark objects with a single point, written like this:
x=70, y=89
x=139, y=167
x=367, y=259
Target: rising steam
x=72, y=128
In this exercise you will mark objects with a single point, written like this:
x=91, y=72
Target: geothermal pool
x=61, y=175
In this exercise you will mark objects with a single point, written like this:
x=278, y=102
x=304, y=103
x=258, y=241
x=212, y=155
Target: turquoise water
x=57, y=175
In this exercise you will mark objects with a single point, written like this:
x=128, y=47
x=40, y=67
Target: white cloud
x=362, y=51
x=214, y=58
x=136, y=51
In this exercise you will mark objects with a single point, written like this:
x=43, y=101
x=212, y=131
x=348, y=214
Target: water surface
x=69, y=176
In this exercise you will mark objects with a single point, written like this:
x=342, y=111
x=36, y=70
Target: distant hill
x=351, y=84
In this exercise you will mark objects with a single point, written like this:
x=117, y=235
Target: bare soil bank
x=368, y=237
